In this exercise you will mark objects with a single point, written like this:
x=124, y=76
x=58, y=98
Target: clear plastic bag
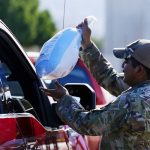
x=59, y=54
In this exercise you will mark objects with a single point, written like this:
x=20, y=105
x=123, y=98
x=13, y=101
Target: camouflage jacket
x=124, y=123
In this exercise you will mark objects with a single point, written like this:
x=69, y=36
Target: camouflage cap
x=140, y=50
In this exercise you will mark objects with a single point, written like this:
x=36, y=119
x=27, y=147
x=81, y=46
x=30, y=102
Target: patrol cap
x=139, y=50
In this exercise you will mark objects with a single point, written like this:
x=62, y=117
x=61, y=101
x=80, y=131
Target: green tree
x=44, y=25
x=26, y=21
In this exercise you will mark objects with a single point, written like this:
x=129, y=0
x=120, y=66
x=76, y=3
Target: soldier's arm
x=95, y=122
x=102, y=70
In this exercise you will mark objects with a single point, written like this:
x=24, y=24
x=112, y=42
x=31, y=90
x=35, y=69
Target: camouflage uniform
x=124, y=123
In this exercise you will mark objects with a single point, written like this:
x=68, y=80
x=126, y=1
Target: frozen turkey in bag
x=59, y=54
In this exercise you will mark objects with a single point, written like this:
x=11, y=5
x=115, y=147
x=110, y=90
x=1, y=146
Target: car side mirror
x=83, y=93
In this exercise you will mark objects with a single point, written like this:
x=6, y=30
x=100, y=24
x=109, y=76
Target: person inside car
x=125, y=122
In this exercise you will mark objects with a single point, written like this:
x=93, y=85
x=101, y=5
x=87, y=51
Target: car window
x=15, y=89
x=11, y=85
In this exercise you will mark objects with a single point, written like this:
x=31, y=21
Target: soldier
x=125, y=122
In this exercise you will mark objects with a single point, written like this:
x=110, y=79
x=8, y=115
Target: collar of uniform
x=142, y=84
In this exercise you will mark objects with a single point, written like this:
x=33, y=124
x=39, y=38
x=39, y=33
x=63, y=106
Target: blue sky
x=75, y=12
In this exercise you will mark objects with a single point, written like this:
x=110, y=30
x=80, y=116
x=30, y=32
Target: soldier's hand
x=86, y=34
x=56, y=93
